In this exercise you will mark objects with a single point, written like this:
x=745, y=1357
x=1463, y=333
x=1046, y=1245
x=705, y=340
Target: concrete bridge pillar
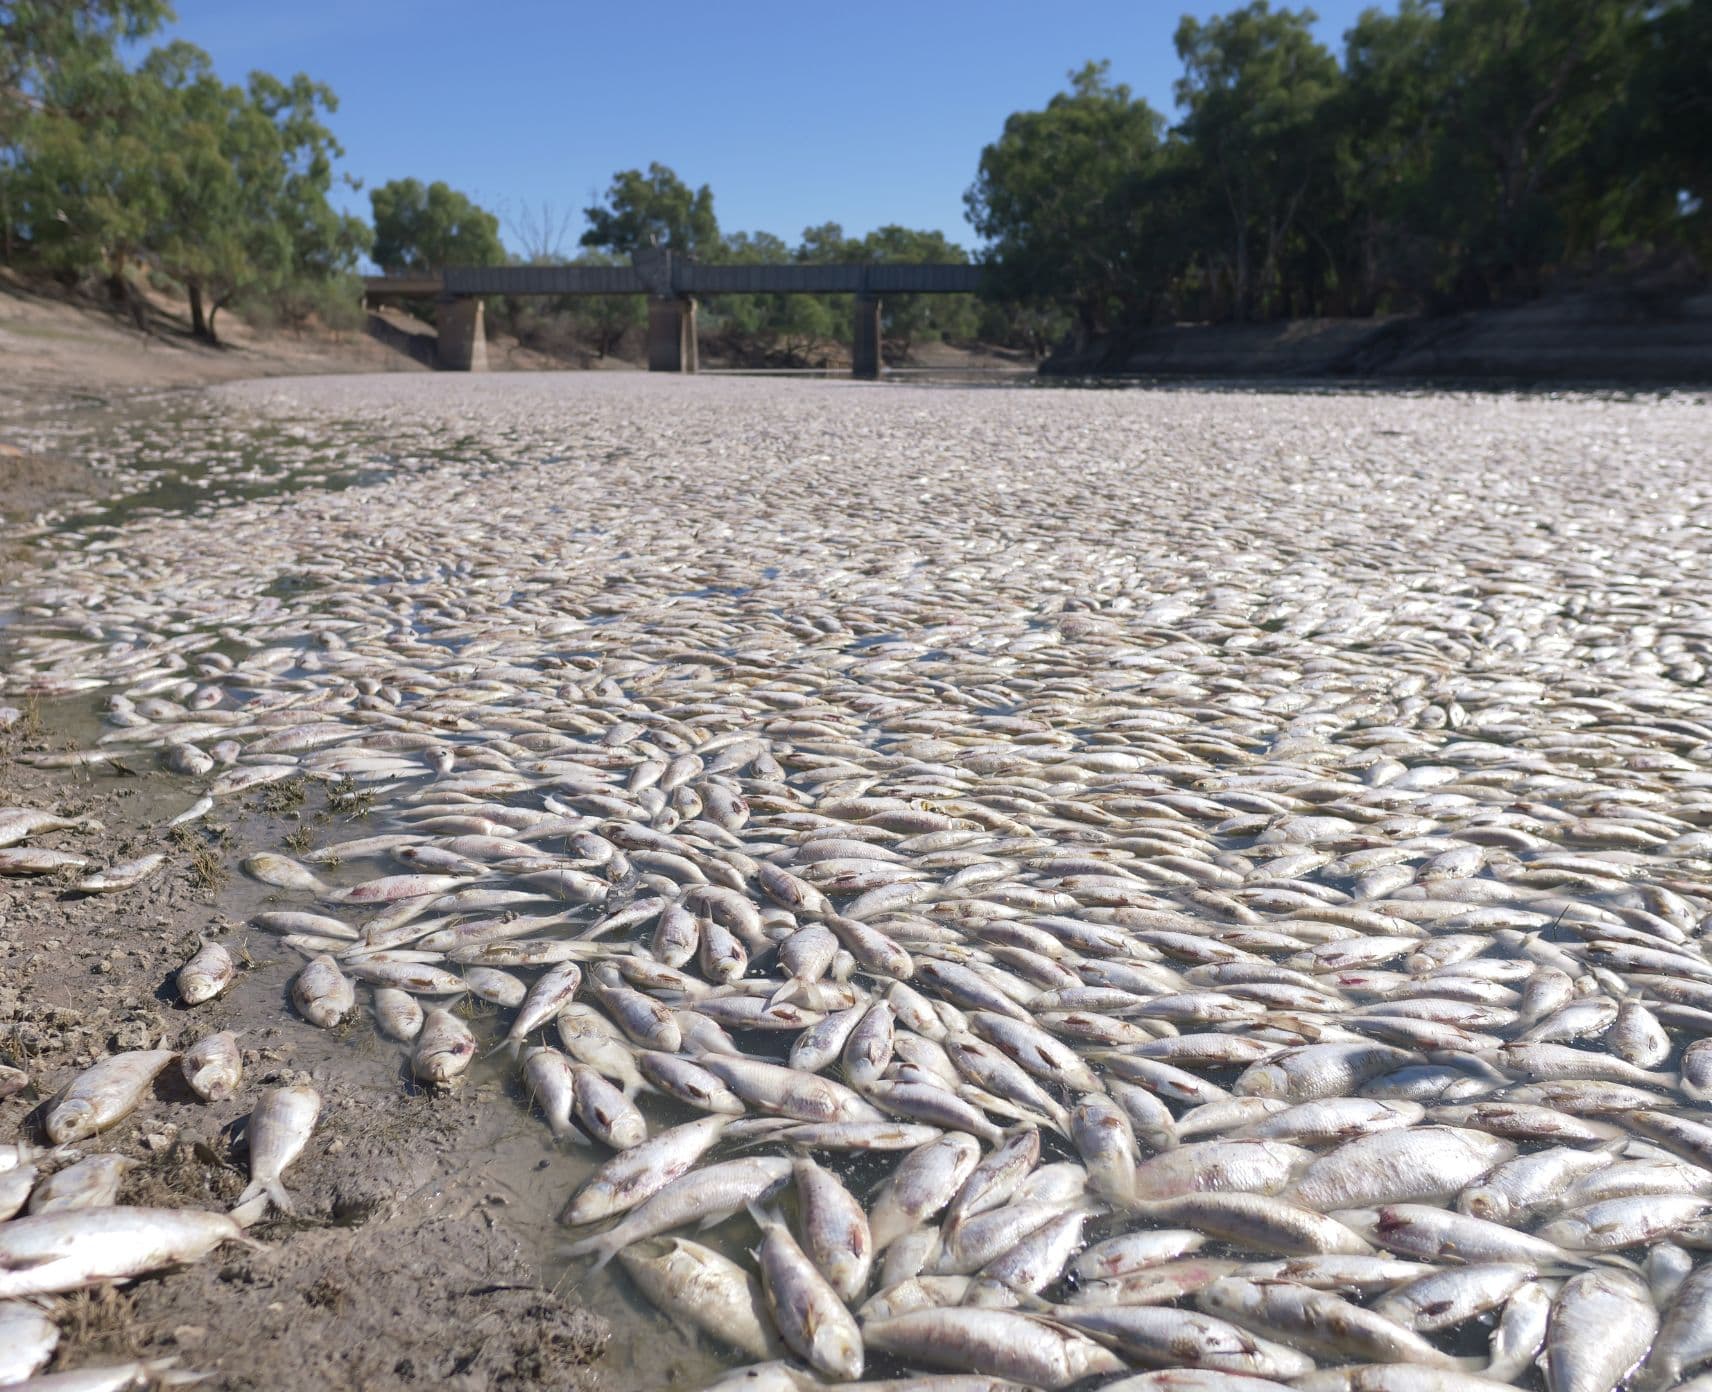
x=671, y=335
x=865, y=342
x=462, y=345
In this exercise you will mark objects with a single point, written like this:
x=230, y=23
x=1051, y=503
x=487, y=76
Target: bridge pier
x=462, y=345
x=865, y=341
x=672, y=334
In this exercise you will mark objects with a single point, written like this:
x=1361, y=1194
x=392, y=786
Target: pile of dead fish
x=1240, y=867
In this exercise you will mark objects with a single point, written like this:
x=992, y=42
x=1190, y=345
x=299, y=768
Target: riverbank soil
x=395, y=1270
x=68, y=347
x=1607, y=335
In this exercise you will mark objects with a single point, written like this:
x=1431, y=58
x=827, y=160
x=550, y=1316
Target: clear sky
x=796, y=114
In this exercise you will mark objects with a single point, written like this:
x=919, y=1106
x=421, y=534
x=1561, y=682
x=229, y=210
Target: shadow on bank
x=1605, y=335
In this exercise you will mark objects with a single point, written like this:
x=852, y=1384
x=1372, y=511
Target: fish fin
x=1607, y=1259
x=26, y=1263
x=252, y=1204
x=1025, y=1300
x=514, y=1046
x=602, y=1247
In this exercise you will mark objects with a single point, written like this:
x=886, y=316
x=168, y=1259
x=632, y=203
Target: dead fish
x=213, y=1066
x=126, y=875
x=697, y=1286
x=322, y=993
x=283, y=873
x=279, y=1127
x=28, y=1339
x=49, y=1253
x=397, y=1014
x=33, y=860
x=442, y=1049
x=103, y=1094
x=90, y=1183
x=809, y=1313
x=724, y=1188
x=208, y=972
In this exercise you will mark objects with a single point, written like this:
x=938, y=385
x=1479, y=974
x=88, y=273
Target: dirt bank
x=412, y=1260
x=1612, y=335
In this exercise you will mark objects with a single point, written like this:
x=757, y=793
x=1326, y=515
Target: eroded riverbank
x=1207, y=660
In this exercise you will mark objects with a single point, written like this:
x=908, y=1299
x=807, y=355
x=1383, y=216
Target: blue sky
x=796, y=114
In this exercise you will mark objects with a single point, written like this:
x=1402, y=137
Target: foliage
x=1254, y=85
x=604, y=319
x=105, y=167
x=653, y=209
x=1463, y=152
x=243, y=183
x=1056, y=197
x=419, y=228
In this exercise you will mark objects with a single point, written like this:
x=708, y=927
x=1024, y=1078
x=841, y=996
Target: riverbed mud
x=399, y=1268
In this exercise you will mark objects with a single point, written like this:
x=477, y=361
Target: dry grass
x=345, y=799
x=207, y=868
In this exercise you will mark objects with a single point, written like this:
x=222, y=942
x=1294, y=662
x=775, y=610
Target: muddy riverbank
x=400, y=1267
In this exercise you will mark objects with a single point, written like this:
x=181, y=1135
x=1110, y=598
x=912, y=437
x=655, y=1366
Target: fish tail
x=603, y=1248
x=251, y=1205
x=785, y=994
x=280, y=1199
x=513, y=1046
x=1609, y=1259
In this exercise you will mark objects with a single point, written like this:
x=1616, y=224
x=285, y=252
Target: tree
x=1526, y=86
x=244, y=176
x=653, y=209
x=775, y=330
x=1055, y=196
x=420, y=228
x=904, y=319
x=1254, y=85
x=53, y=52
x=86, y=191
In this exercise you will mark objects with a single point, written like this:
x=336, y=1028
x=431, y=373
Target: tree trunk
x=214, y=309
x=1239, y=271
x=198, y=321
x=119, y=288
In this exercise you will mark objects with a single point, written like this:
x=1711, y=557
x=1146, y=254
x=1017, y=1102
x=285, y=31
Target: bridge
x=672, y=284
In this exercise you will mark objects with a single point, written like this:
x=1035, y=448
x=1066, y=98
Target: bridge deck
x=687, y=278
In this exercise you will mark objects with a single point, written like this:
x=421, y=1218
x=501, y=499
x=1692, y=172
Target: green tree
x=244, y=177
x=419, y=228
x=907, y=319
x=1056, y=198
x=86, y=192
x=1526, y=86
x=770, y=330
x=1254, y=86
x=653, y=209
x=53, y=55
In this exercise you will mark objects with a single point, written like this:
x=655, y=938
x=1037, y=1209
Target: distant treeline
x=1461, y=153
